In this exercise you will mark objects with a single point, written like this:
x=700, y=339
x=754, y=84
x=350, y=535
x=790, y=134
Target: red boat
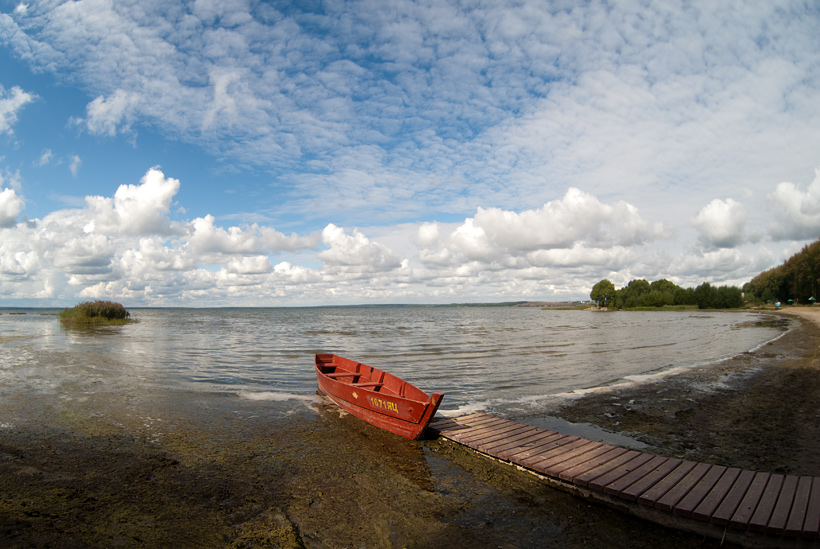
x=375, y=396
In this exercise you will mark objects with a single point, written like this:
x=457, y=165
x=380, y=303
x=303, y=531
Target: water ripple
x=475, y=355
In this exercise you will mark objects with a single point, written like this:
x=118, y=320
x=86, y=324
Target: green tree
x=797, y=278
x=656, y=298
x=705, y=296
x=602, y=293
x=664, y=286
x=728, y=297
x=632, y=294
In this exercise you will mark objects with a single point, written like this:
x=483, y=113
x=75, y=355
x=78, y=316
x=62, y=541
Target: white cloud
x=798, y=212
x=356, y=251
x=137, y=209
x=45, y=157
x=205, y=238
x=126, y=247
x=578, y=216
x=721, y=265
x=11, y=102
x=721, y=223
x=10, y=207
x=107, y=115
x=249, y=265
x=74, y=163
x=558, y=233
x=88, y=254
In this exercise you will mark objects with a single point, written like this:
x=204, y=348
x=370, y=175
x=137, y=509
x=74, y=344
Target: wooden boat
x=377, y=397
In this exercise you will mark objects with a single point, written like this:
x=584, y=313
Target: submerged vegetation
x=96, y=312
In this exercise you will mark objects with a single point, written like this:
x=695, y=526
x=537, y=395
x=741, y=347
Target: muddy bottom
x=141, y=475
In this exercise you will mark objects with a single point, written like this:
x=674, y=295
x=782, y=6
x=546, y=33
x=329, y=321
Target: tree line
x=660, y=293
x=798, y=279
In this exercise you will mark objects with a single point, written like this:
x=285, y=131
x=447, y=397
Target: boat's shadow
x=374, y=445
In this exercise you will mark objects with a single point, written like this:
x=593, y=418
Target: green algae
x=165, y=469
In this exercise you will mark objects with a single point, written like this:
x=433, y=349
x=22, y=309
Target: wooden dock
x=754, y=509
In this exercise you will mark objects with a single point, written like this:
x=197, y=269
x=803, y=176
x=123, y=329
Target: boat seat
x=370, y=384
x=343, y=374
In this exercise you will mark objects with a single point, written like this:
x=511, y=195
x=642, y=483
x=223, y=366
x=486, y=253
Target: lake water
x=501, y=360
x=203, y=426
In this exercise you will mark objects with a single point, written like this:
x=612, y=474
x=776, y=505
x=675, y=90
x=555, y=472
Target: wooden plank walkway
x=785, y=509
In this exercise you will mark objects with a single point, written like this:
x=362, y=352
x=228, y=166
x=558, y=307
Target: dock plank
x=731, y=502
x=716, y=494
x=598, y=465
x=464, y=420
x=445, y=424
x=535, y=462
x=527, y=455
x=693, y=498
x=811, y=525
x=728, y=497
x=780, y=513
x=662, y=486
x=613, y=471
x=521, y=451
x=555, y=464
x=475, y=430
x=529, y=445
x=479, y=422
x=593, y=451
x=682, y=487
x=765, y=507
x=501, y=434
x=474, y=420
x=748, y=505
x=797, y=516
x=516, y=441
x=640, y=479
x=492, y=432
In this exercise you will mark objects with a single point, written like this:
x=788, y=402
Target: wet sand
x=115, y=470
x=757, y=411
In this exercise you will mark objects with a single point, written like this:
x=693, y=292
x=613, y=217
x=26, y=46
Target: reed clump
x=96, y=312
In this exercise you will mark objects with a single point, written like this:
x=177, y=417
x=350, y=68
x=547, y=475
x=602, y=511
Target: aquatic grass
x=96, y=313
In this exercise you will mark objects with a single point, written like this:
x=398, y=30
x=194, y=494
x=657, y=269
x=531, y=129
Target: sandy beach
x=75, y=477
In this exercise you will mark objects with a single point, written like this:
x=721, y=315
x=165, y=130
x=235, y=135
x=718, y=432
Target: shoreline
x=674, y=370
x=757, y=410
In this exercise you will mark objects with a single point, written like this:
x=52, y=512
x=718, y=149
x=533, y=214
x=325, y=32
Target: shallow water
x=483, y=358
x=207, y=422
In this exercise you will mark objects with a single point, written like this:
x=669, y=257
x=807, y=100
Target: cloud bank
x=128, y=247
x=393, y=151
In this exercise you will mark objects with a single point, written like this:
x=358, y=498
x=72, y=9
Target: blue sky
x=275, y=153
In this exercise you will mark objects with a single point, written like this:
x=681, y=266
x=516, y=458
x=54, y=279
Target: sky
x=244, y=153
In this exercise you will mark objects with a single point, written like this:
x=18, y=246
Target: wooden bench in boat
x=721, y=502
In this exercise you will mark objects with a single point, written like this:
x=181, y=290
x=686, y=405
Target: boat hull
x=376, y=396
